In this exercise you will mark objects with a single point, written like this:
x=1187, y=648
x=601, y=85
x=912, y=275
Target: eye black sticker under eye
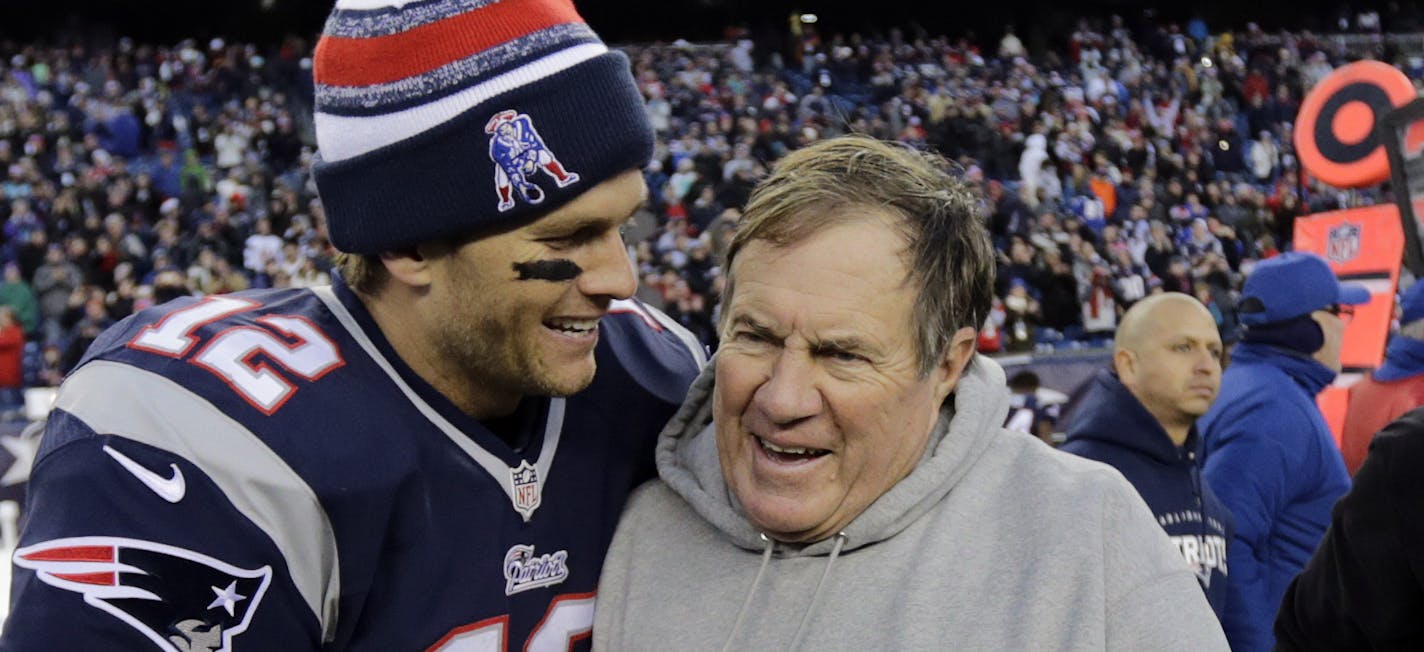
x=556, y=270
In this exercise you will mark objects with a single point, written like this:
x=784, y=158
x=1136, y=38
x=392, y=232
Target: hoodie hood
x=970, y=419
x=1111, y=414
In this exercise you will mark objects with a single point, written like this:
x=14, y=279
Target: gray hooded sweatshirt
x=993, y=542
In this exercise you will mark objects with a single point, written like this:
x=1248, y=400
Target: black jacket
x=1364, y=587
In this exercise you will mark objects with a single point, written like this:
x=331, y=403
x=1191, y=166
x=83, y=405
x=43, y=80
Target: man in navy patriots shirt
x=431, y=453
x=1139, y=417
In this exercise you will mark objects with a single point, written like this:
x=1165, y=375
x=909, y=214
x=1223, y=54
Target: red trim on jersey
x=102, y=579
x=635, y=309
x=73, y=553
x=501, y=621
x=573, y=637
x=345, y=61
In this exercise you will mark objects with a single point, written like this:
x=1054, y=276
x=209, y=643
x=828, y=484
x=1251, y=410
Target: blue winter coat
x=1270, y=457
x=1113, y=427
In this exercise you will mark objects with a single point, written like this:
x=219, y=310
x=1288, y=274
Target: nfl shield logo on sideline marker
x=1343, y=243
x=524, y=480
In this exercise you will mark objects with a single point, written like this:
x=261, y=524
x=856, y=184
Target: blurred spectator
x=1021, y=318
x=1059, y=304
x=94, y=319
x=1140, y=418
x=1033, y=409
x=1268, y=454
x=1396, y=387
x=261, y=247
x=1100, y=309
x=12, y=351
x=16, y=294
x=55, y=280
x=1264, y=158
x=52, y=368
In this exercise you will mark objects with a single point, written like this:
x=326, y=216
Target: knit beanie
x=437, y=118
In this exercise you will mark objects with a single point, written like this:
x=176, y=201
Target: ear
x=410, y=266
x=956, y=357
x=1125, y=364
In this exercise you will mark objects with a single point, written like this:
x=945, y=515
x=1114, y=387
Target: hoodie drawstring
x=815, y=597
x=810, y=608
x=747, y=603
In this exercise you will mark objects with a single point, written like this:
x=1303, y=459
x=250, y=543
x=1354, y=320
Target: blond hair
x=940, y=216
x=365, y=274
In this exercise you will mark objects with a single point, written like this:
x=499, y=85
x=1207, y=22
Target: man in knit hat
x=432, y=452
x=1268, y=454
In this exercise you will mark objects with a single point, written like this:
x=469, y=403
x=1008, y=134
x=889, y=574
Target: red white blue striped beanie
x=437, y=118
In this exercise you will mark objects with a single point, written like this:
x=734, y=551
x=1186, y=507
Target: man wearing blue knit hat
x=1268, y=454
x=1396, y=387
x=432, y=452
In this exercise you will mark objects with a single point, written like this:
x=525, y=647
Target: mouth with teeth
x=790, y=454
x=577, y=328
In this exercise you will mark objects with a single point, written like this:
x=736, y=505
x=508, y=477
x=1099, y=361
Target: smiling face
x=509, y=332
x=818, y=403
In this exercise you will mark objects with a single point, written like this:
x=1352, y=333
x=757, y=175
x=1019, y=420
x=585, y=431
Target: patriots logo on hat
x=519, y=153
x=181, y=600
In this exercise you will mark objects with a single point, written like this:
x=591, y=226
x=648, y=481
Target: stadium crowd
x=1126, y=162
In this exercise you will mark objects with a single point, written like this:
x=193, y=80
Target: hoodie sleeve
x=1153, y=601
x=1247, y=468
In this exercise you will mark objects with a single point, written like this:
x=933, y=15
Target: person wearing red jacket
x=12, y=354
x=1396, y=387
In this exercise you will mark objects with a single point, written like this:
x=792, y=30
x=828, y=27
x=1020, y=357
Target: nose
x=609, y=270
x=789, y=394
x=1208, y=363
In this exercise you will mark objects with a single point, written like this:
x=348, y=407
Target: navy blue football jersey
x=260, y=471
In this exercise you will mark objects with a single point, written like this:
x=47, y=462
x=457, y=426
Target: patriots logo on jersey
x=181, y=600
x=519, y=154
x=524, y=571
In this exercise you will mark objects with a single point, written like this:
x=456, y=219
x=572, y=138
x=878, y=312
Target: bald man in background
x=1140, y=416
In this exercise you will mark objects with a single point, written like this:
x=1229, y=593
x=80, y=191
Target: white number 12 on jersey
x=230, y=355
x=569, y=619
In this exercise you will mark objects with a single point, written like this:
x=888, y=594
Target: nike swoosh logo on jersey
x=170, y=489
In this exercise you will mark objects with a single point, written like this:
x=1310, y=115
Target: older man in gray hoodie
x=838, y=478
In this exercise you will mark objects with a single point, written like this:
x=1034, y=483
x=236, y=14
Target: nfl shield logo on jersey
x=1343, y=243
x=526, y=491
x=181, y=600
x=519, y=155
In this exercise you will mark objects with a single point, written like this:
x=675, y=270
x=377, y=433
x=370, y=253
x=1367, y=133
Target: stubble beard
x=499, y=360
